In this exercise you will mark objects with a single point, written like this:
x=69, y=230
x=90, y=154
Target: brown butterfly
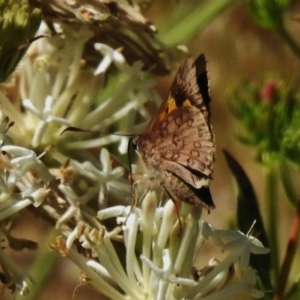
x=178, y=144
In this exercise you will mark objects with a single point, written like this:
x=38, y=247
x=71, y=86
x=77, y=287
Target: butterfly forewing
x=191, y=83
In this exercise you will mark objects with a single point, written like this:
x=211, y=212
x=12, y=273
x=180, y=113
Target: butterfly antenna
x=129, y=151
x=77, y=129
x=129, y=148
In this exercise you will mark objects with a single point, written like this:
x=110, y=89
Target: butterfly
x=178, y=145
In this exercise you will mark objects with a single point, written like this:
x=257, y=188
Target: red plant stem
x=289, y=255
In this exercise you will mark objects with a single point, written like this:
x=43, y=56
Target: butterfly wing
x=185, y=145
x=179, y=190
x=191, y=84
x=179, y=141
x=190, y=87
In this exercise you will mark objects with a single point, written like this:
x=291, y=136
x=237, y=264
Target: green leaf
x=18, y=25
x=294, y=291
x=188, y=20
x=268, y=13
x=247, y=213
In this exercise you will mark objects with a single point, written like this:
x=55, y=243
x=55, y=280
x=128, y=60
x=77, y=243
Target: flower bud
x=269, y=92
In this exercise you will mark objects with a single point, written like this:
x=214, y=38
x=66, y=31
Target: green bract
x=18, y=24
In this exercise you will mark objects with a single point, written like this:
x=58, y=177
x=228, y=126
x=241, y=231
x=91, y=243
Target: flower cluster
x=160, y=252
x=55, y=91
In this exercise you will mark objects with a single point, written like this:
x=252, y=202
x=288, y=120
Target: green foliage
x=268, y=13
x=18, y=24
x=270, y=112
x=294, y=292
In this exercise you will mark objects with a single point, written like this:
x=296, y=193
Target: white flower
x=45, y=116
x=58, y=90
x=107, y=182
x=160, y=254
x=4, y=127
x=25, y=160
x=243, y=245
x=22, y=162
x=108, y=179
x=109, y=55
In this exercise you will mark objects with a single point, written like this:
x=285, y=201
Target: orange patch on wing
x=170, y=105
x=187, y=103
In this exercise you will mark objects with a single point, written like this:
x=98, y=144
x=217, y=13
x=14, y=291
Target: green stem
x=190, y=22
x=272, y=200
x=42, y=270
x=290, y=255
x=287, y=182
x=288, y=39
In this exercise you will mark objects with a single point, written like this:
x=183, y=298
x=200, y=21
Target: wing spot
x=176, y=139
x=178, y=120
x=197, y=144
x=164, y=125
x=203, y=128
x=185, y=118
x=190, y=122
x=194, y=153
x=165, y=131
x=175, y=156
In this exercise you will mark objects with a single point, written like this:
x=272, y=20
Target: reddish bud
x=269, y=92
